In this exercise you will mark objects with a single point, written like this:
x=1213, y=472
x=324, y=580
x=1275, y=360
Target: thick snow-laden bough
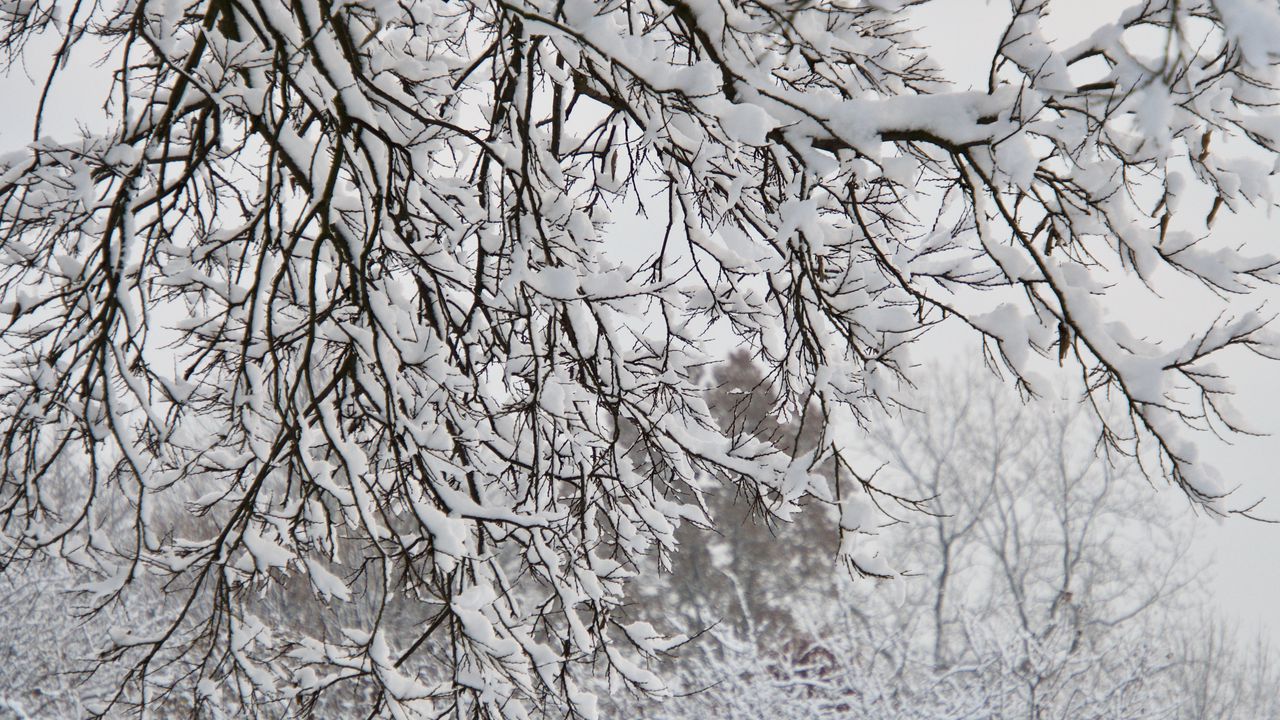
x=341, y=279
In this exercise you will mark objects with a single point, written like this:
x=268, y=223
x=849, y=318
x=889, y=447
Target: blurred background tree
x=1049, y=582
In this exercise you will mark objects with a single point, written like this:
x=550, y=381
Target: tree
x=1049, y=567
x=1048, y=586
x=749, y=571
x=342, y=280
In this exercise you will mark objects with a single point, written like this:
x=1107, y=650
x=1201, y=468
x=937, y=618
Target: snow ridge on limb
x=340, y=279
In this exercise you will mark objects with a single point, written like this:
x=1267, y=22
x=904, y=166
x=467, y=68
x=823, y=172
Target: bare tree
x=1222, y=677
x=342, y=280
x=1050, y=585
x=1067, y=569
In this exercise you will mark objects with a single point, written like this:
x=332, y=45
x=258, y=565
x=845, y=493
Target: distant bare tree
x=1066, y=565
x=1050, y=584
x=1224, y=679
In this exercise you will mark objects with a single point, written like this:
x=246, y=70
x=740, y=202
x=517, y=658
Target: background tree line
x=1042, y=582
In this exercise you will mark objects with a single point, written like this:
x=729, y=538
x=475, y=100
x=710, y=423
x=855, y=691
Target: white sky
x=962, y=34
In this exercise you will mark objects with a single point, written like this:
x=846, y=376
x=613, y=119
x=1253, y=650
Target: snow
x=1025, y=45
x=746, y=123
x=266, y=553
x=431, y=321
x=1253, y=26
x=326, y=583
